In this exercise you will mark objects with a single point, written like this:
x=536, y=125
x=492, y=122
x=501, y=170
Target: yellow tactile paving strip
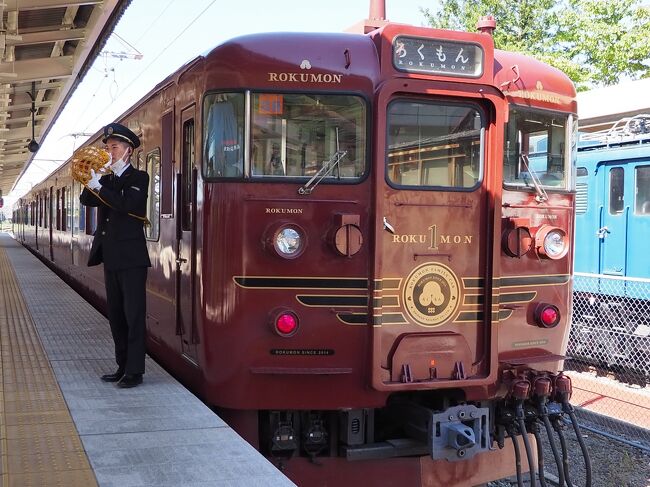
x=39, y=443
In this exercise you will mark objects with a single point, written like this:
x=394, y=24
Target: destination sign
x=436, y=56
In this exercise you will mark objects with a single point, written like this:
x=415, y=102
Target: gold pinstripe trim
x=339, y=317
x=333, y=297
x=292, y=284
x=522, y=297
x=388, y=284
x=391, y=301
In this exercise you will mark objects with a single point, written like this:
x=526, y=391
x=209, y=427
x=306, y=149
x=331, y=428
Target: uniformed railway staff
x=119, y=243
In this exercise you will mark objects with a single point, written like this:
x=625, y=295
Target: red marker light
x=548, y=316
x=286, y=323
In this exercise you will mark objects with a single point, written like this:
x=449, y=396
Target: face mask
x=117, y=166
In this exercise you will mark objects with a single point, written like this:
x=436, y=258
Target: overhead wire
x=146, y=31
x=126, y=42
x=163, y=50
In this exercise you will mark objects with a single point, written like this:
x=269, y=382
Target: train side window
x=58, y=209
x=434, y=144
x=76, y=209
x=82, y=218
x=616, y=190
x=642, y=191
x=70, y=211
x=223, y=119
x=44, y=202
x=90, y=215
x=186, y=174
x=153, y=203
x=64, y=210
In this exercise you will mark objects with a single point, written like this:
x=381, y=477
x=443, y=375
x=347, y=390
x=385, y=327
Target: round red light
x=548, y=315
x=286, y=323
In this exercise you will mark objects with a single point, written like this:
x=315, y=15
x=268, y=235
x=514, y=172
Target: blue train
x=611, y=309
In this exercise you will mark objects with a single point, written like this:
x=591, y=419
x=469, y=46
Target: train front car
x=384, y=258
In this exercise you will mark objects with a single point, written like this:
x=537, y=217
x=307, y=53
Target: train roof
x=626, y=132
x=523, y=79
x=526, y=80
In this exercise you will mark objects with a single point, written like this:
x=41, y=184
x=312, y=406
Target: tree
x=595, y=42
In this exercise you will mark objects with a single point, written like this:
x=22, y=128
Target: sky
x=169, y=33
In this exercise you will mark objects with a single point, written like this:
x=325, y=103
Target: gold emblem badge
x=431, y=294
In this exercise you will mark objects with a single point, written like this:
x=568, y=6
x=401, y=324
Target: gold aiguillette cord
x=141, y=218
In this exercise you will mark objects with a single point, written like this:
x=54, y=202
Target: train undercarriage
x=439, y=425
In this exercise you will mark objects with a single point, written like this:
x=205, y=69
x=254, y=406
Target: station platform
x=60, y=425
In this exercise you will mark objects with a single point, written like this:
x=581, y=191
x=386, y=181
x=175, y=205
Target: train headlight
x=288, y=242
x=551, y=242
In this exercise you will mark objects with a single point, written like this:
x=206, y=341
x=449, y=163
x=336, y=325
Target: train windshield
x=295, y=135
x=434, y=145
x=291, y=136
x=538, y=149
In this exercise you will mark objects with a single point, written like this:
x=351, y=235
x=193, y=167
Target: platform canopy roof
x=46, y=47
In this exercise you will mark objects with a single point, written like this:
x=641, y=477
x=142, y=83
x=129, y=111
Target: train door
x=186, y=181
x=37, y=208
x=614, y=216
x=50, y=220
x=639, y=227
x=432, y=239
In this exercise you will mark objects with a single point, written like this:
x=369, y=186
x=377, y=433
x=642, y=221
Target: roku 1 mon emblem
x=433, y=238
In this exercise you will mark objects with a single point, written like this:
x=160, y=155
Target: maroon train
x=360, y=245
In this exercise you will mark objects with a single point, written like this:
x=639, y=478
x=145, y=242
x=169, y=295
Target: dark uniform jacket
x=119, y=238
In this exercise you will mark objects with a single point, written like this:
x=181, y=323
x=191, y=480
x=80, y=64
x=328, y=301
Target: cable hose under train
x=520, y=481
x=556, y=454
x=529, y=450
x=583, y=447
x=565, y=456
x=540, y=455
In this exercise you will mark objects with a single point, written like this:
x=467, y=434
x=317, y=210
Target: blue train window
x=642, y=191
x=616, y=190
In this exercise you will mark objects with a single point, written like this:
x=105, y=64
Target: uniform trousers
x=126, y=296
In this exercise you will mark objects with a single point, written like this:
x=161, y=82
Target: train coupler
x=459, y=432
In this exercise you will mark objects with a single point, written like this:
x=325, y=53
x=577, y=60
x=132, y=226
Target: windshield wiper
x=325, y=170
x=541, y=193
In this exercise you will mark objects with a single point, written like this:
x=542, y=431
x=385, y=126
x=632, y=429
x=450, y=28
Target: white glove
x=94, y=183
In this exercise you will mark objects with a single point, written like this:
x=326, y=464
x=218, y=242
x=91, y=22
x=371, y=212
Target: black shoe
x=130, y=380
x=113, y=377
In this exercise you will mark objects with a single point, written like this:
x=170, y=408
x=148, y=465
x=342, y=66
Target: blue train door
x=639, y=228
x=613, y=221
